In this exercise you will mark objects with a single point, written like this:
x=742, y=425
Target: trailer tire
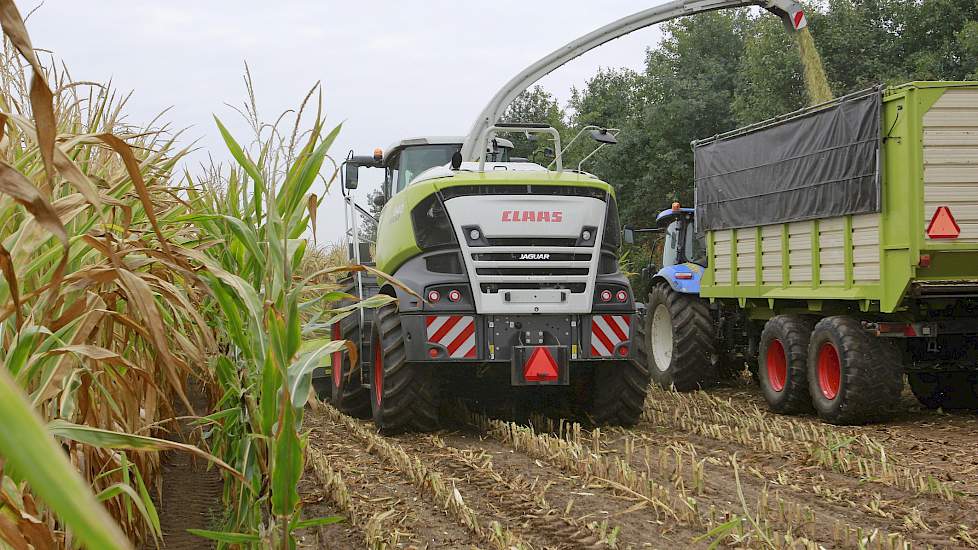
x=403, y=395
x=853, y=376
x=681, y=324
x=619, y=389
x=783, y=364
x=346, y=392
x=945, y=390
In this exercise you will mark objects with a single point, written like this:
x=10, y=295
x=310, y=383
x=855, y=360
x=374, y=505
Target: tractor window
x=416, y=159
x=693, y=248
x=670, y=252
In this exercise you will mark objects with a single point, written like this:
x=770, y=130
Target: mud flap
x=540, y=366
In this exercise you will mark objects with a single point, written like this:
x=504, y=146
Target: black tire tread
x=410, y=390
x=694, y=341
x=351, y=398
x=872, y=377
x=794, y=332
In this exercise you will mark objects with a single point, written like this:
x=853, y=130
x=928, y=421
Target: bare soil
x=721, y=466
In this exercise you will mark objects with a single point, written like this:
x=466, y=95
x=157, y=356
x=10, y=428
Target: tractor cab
x=683, y=251
x=681, y=244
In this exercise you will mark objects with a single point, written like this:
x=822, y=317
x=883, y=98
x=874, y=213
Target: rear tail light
x=623, y=351
x=434, y=296
x=454, y=295
x=622, y=296
x=684, y=276
x=605, y=295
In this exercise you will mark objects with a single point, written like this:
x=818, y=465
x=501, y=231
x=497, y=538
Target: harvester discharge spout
x=788, y=10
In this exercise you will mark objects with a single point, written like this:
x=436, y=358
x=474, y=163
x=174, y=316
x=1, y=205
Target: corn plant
x=272, y=313
x=99, y=318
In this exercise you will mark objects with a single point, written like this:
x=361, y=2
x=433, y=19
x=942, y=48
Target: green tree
x=534, y=105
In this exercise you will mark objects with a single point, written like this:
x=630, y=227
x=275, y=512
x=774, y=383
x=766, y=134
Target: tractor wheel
x=619, y=389
x=783, y=364
x=680, y=340
x=403, y=395
x=945, y=390
x=345, y=391
x=853, y=376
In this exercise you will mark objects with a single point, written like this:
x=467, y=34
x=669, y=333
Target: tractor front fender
x=683, y=278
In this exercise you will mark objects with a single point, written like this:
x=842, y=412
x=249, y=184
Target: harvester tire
x=680, y=340
x=403, y=395
x=783, y=364
x=346, y=392
x=854, y=377
x=619, y=392
x=945, y=390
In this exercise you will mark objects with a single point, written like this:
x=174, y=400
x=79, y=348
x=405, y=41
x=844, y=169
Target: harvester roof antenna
x=789, y=11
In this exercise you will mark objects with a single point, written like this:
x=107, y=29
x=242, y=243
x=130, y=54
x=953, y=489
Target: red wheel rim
x=378, y=372
x=777, y=366
x=829, y=370
x=337, y=357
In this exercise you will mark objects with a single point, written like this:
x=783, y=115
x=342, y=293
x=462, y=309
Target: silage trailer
x=836, y=250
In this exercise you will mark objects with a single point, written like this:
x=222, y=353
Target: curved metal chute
x=789, y=10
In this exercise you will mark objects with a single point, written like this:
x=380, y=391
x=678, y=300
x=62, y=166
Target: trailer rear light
x=943, y=225
x=622, y=296
x=454, y=295
x=605, y=295
x=433, y=353
x=684, y=276
x=924, y=260
x=434, y=296
x=623, y=351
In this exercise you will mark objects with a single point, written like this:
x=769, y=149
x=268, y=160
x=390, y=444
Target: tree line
x=718, y=71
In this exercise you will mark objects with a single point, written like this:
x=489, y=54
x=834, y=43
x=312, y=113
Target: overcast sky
x=390, y=69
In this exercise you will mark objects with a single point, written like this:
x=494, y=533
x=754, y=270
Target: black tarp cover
x=817, y=165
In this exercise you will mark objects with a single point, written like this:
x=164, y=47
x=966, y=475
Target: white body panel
x=951, y=160
x=494, y=214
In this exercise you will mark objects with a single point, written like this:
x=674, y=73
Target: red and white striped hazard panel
x=607, y=331
x=456, y=333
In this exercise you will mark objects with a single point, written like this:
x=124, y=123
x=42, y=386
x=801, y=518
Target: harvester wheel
x=854, y=377
x=619, y=391
x=680, y=340
x=783, y=364
x=403, y=395
x=947, y=390
x=345, y=390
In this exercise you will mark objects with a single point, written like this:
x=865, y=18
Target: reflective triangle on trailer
x=943, y=225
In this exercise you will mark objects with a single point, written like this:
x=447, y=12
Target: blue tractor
x=683, y=332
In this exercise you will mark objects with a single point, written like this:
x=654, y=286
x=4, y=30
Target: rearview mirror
x=628, y=235
x=604, y=137
x=352, y=173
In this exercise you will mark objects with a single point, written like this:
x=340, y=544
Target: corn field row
x=127, y=284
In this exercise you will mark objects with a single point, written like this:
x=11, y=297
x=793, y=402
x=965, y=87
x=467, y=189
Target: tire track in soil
x=942, y=445
x=839, y=502
x=858, y=498
x=377, y=487
x=499, y=496
x=191, y=493
x=590, y=501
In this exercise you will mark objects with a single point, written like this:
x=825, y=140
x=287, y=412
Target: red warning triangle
x=541, y=367
x=942, y=225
